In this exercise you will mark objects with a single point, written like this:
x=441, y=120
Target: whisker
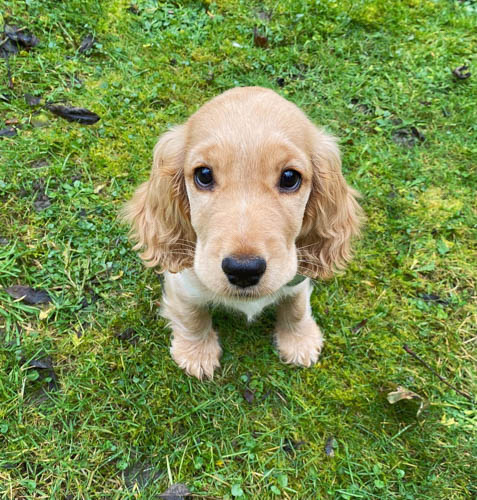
x=310, y=263
x=306, y=246
x=178, y=252
x=183, y=245
x=186, y=242
x=314, y=267
x=183, y=250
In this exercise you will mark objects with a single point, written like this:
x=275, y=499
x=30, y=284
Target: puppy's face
x=248, y=191
x=248, y=181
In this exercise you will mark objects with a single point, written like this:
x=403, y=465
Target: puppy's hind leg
x=298, y=337
x=195, y=346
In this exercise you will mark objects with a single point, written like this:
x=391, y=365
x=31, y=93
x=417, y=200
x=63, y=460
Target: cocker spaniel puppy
x=243, y=201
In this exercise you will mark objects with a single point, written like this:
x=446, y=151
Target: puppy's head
x=248, y=192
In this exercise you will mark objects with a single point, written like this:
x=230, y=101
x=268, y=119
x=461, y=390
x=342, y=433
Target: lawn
x=91, y=404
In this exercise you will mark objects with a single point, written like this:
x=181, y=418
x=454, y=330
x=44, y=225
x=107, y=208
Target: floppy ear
x=332, y=215
x=159, y=211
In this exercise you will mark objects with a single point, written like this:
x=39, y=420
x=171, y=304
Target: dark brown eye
x=290, y=180
x=203, y=177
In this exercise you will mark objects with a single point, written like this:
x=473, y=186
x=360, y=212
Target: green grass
x=364, y=70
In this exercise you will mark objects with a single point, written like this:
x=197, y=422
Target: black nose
x=244, y=271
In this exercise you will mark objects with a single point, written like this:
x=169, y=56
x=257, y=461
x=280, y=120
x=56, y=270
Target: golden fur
x=247, y=136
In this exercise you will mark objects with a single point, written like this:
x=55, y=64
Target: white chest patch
x=193, y=288
x=250, y=308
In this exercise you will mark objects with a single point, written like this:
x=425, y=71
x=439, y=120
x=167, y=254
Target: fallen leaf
x=44, y=313
x=139, y=475
x=402, y=393
x=259, y=39
x=8, y=132
x=360, y=325
x=15, y=38
x=177, y=491
x=99, y=188
x=330, y=446
x=430, y=297
x=363, y=108
x=32, y=100
x=249, y=396
x=134, y=9
x=86, y=44
x=408, y=137
x=129, y=335
x=418, y=134
x=291, y=445
x=46, y=364
x=42, y=202
x=118, y=276
x=80, y=115
x=7, y=48
x=21, y=36
x=28, y=295
x=461, y=72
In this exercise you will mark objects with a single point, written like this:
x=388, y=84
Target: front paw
x=300, y=346
x=197, y=357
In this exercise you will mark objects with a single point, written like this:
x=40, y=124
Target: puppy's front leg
x=297, y=336
x=195, y=346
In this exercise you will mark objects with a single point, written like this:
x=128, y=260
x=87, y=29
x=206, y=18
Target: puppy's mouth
x=249, y=293
x=245, y=294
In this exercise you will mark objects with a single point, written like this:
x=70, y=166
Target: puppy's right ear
x=332, y=216
x=159, y=211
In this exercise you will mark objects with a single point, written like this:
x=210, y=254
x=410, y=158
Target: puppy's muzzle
x=244, y=271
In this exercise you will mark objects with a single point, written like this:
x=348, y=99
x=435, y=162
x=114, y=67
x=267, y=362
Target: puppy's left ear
x=332, y=215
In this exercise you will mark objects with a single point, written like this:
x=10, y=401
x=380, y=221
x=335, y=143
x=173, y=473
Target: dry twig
x=414, y=355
